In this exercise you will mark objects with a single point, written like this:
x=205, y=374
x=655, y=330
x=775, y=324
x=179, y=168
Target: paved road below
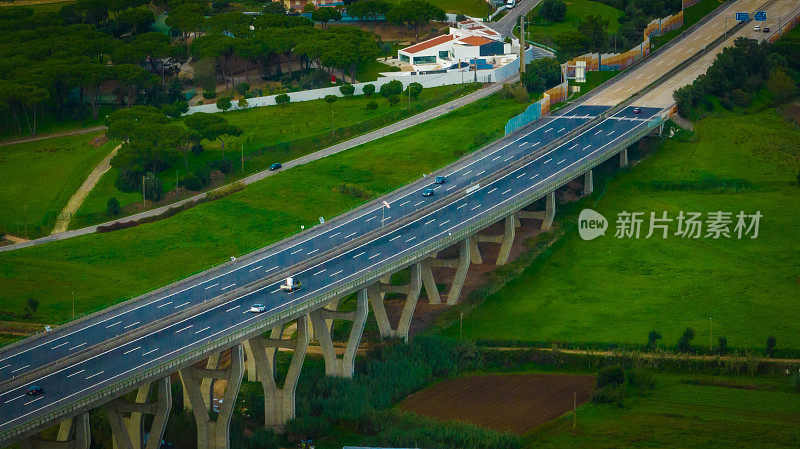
x=505, y=25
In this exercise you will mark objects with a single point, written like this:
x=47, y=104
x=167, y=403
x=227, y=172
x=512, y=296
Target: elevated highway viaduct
x=138, y=345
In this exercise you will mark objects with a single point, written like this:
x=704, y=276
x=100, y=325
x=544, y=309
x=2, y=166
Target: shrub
x=307, y=426
x=393, y=87
x=722, y=347
x=153, y=187
x=112, y=207
x=741, y=98
x=282, y=99
x=197, y=149
x=347, y=89
x=243, y=88
x=209, y=94
x=368, y=89
x=372, y=105
x=553, y=10
x=225, y=190
x=243, y=103
x=393, y=100
x=460, y=17
x=610, y=375
x=685, y=342
x=224, y=103
x=796, y=381
x=652, y=339
x=415, y=89
x=607, y=395
x=330, y=99
x=640, y=379
x=223, y=165
x=771, y=343
x=198, y=179
x=515, y=91
x=353, y=190
x=263, y=439
x=726, y=103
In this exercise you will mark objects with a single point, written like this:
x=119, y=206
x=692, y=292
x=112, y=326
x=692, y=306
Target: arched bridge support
x=128, y=431
x=73, y=433
x=377, y=293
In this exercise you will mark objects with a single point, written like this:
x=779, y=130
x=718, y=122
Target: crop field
x=617, y=290
x=685, y=412
x=511, y=402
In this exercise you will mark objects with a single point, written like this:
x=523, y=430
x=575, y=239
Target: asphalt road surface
x=157, y=347
x=505, y=25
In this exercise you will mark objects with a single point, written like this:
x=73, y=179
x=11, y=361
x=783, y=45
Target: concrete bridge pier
x=546, y=215
x=335, y=366
x=623, y=158
x=279, y=401
x=377, y=292
x=73, y=433
x=128, y=431
x=505, y=240
x=460, y=264
x=588, y=183
x=214, y=434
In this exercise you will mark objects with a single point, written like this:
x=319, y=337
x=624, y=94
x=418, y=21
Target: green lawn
x=104, y=269
x=40, y=177
x=49, y=123
x=618, y=290
x=577, y=10
x=691, y=15
x=472, y=8
x=371, y=70
x=593, y=79
x=679, y=413
x=267, y=127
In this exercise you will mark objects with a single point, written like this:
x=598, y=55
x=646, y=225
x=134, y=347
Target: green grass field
x=577, y=10
x=618, y=290
x=104, y=269
x=679, y=413
x=40, y=177
x=593, y=79
x=473, y=8
x=263, y=127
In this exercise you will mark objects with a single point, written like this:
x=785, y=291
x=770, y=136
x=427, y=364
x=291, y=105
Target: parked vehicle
x=275, y=166
x=427, y=192
x=291, y=285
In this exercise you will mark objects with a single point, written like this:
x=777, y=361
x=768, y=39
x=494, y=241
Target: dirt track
x=514, y=403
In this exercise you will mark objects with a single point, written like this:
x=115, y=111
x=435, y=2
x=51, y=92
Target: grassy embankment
x=545, y=32
x=40, y=177
x=271, y=134
x=686, y=412
x=618, y=290
x=104, y=269
x=691, y=15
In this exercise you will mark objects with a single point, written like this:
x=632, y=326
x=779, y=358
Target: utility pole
x=521, y=44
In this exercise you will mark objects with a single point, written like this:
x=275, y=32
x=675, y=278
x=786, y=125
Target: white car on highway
x=258, y=308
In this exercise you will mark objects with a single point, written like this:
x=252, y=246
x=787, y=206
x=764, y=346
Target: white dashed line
x=203, y=330
x=395, y=238
x=37, y=399
x=459, y=207
x=181, y=305
x=404, y=202
x=428, y=222
x=489, y=192
x=476, y=207
x=370, y=218
x=131, y=350
x=78, y=346
x=54, y=347
x=165, y=304
x=113, y=324
x=534, y=176
x=561, y=161
x=334, y=274
x=150, y=352
x=520, y=175
x=227, y=287
x=548, y=160
x=312, y=252
x=95, y=374
x=131, y=325
x=359, y=254
x=183, y=329
x=334, y=235
x=212, y=286
x=295, y=251
x=373, y=256
x=444, y=223
x=504, y=193
x=319, y=272
x=256, y=268
x=23, y=367
x=350, y=235
x=232, y=308
x=76, y=372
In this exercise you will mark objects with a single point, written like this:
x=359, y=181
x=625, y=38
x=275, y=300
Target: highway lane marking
x=334, y=235
x=419, y=203
x=412, y=238
x=78, y=346
x=404, y=202
x=295, y=251
x=548, y=160
x=112, y=325
x=227, y=287
x=20, y=368
x=444, y=223
x=612, y=132
x=14, y=399
x=453, y=186
x=496, y=158
x=508, y=158
x=562, y=129
x=478, y=174
x=520, y=175
x=504, y=193
x=232, y=308
x=548, y=130
x=37, y=399
x=131, y=325
x=76, y=372
x=203, y=330
x=467, y=172
x=212, y=286
x=54, y=347
x=598, y=132
x=273, y=268
x=373, y=256
x=534, y=176
x=6, y=366
x=149, y=352
x=459, y=207
x=183, y=329
x=319, y=272
x=428, y=222
x=370, y=218
x=254, y=269
x=181, y=305
x=312, y=252
x=489, y=192
x=334, y=274
x=573, y=146
x=359, y=254
x=95, y=374
x=395, y=238
x=165, y=304
x=276, y=290
x=350, y=235
x=561, y=161
x=131, y=350
x=476, y=207
x=586, y=147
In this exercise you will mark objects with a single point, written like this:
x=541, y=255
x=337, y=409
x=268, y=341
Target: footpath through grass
x=618, y=290
x=38, y=178
x=685, y=412
x=272, y=134
x=103, y=269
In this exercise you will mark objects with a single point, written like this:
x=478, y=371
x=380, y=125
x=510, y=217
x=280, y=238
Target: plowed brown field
x=514, y=403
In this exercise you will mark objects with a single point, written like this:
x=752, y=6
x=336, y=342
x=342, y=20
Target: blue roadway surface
x=154, y=348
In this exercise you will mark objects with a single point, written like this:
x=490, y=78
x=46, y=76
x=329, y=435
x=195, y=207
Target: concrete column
x=279, y=401
x=334, y=366
x=461, y=272
x=508, y=240
x=475, y=252
x=431, y=289
x=128, y=431
x=73, y=433
x=250, y=363
x=376, y=293
x=588, y=183
x=205, y=386
x=623, y=158
x=549, y=211
x=214, y=434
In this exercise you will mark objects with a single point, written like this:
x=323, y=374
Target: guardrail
x=201, y=350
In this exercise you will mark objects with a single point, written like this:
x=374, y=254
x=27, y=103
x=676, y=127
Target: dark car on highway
x=427, y=192
x=440, y=180
x=637, y=110
x=275, y=166
x=34, y=390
